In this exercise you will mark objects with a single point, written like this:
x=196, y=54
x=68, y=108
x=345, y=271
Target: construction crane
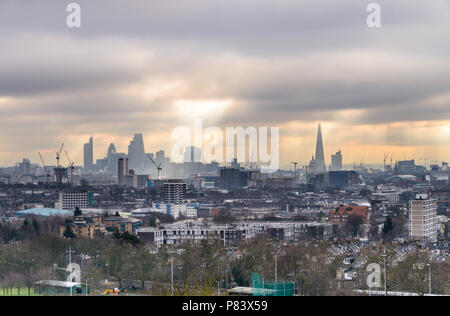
x=58, y=155
x=305, y=175
x=71, y=164
x=45, y=168
x=425, y=159
x=250, y=164
x=158, y=166
x=384, y=161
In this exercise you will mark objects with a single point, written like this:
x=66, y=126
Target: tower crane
x=71, y=164
x=58, y=155
x=158, y=166
x=425, y=159
x=45, y=168
x=384, y=161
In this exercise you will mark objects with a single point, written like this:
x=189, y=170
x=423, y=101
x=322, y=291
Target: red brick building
x=342, y=213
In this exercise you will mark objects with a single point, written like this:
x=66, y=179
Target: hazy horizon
x=150, y=66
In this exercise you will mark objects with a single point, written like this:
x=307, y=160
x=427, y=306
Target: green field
x=15, y=292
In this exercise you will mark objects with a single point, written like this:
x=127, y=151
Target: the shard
x=320, y=157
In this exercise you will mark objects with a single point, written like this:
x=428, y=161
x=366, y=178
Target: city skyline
x=230, y=149
x=153, y=68
x=318, y=147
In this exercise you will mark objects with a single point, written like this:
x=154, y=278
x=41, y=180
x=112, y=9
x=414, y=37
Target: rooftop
x=44, y=212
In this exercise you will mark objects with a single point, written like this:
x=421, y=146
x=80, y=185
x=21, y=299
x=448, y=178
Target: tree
x=68, y=232
x=354, y=221
x=399, y=226
x=77, y=212
x=36, y=226
x=271, y=218
x=388, y=227
x=292, y=262
x=411, y=274
x=224, y=217
x=117, y=263
x=162, y=218
x=145, y=265
x=257, y=256
x=365, y=192
x=126, y=237
x=84, y=183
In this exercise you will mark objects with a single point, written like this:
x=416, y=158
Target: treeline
x=204, y=268
x=31, y=227
x=197, y=269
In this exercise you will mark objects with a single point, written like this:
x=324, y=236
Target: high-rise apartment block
x=174, y=191
x=25, y=167
x=72, y=200
x=122, y=170
x=423, y=218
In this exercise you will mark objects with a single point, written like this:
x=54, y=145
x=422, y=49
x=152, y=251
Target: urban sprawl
x=137, y=223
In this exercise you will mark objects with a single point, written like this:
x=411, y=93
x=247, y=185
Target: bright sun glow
x=4, y=101
x=201, y=109
x=446, y=130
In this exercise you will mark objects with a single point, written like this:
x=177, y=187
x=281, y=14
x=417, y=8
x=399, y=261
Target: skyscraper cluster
x=140, y=163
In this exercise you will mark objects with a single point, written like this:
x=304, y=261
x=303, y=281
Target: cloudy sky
x=144, y=66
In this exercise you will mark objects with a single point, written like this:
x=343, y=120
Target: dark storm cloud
x=53, y=64
x=260, y=26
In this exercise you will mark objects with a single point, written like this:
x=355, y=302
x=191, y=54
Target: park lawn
x=15, y=292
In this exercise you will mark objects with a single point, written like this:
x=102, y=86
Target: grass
x=15, y=292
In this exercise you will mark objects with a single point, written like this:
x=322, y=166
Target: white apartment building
x=423, y=218
x=388, y=194
x=194, y=231
x=72, y=200
x=191, y=211
x=176, y=210
x=178, y=233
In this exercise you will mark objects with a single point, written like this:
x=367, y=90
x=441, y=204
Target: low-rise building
x=177, y=233
x=84, y=227
x=121, y=224
x=342, y=213
x=81, y=229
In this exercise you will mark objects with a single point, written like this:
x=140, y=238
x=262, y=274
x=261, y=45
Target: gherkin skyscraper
x=320, y=157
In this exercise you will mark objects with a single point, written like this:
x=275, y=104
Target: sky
x=144, y=66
